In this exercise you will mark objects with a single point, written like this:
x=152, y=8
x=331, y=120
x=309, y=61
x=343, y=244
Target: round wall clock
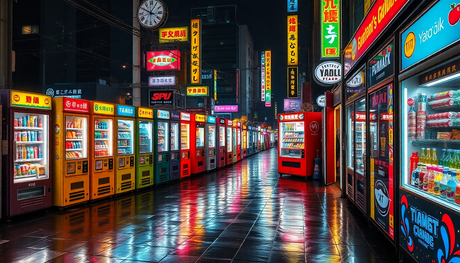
x=152, y=14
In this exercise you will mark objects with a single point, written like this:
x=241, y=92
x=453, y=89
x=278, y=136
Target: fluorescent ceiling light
x=442, y=80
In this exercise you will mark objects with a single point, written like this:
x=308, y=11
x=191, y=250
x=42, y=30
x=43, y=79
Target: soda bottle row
x=76, y=123
x=28, y=121
x=73, y=145
x=101, y=125
x=26, y=169
x=28, y=152
x=438, y=181
x=101, y=135
x=444, y=95
x=443, y=115
x=444, y=103
x=74, y=135
x=428, y=156
x=28, y=136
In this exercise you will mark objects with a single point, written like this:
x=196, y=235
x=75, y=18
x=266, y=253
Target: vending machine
x=211, y=135
x=229, y=157
x=239, y=145
x=174, y=169
x=250, y=141
x=161, y=154
x=300, y=139
x=71, y=169
x=234, y=142
x=259, y=139
x=124, y=153
x=26, y=163
x=186, y=162
x=221, y=133
x=144, y=142
x=198, y=143
x=245, y=140
x=102, y=175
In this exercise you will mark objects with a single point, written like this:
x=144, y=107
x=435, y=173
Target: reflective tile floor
x=244, y=213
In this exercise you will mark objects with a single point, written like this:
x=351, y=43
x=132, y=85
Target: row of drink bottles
x=450, y=158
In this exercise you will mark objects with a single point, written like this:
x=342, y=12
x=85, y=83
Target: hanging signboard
x=330, y=28
x=215, y=85
x=262, y=75
x=226, y=108
x=197, y=91
x=163, y=60
x=382, y=65
x=329, y=72
x=173, y=34
x=293, y=73
x=292, y=6
x=292, y=105
x=292, y=40
x=161, y=97
x=162, y=81
x=268, y=78
x=195, y=52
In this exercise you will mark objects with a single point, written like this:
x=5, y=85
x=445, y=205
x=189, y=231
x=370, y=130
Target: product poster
x=429, y=233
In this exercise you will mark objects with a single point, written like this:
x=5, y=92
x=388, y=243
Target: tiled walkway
x=242, y=213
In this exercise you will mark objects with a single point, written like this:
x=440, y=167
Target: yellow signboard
x=268, y=77
x=103, y=108
x=28, y=100
x=145, y=113
x=173, y=34
x=292, y=40
x=244, y=119
x=195, y=52
x=197, y=91
x=200, y=118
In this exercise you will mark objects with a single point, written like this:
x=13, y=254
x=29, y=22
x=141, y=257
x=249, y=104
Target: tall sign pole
x=136, y=58
x=6, y=36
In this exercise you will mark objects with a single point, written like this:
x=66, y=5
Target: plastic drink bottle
x=415, y=175
x=452, y=163
x=451, y=185
x=446, y=162
x=413, y=162
x=443, y=157
x=445, y=179
x=422, y=176
x=431, y=177
x=426, y=178
x=428, y=156
x=434, y=157
x=436, y=182
x=422, y=156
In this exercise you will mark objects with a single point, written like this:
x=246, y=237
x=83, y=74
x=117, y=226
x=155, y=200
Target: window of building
x=30, y=29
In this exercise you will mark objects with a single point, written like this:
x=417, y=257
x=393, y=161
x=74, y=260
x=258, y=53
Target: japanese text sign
x=145, y=113
x=292, y=40
x=174, y=34
x=163, y=114
x=127, y=111
x=163, y=60
x=25, y=100
x=293, y=73
x=292, y=104
x=184, y=116
x=292, y=6
x=262, y=75
x=161, y=97
x=377, y=19
x=330, y=28
x=215, y=84
x=211, y=119
x=103, y=108
x=162, y=81
x=226, y=108
x=76, y=105
x=200, y=118
x=197, y=91
x=195, y=52
x=292, y=117
x=268, y=78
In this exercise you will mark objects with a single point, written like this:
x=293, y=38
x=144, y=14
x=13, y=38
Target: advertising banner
x=162, y=81
x=293, y=85
x=262, y=75
x=127, y=111
x=76, y=105
x=197, y=91
x=292, y=6
x=292, y=105
x=382, y=65
x=161, y=97
x=173, y=34
x=163, y=60
x=330, y=28
x=293, y=40
x=195, y=56
x=226, y=108
x=268, y=78
x=103, y=108
x=26, y=100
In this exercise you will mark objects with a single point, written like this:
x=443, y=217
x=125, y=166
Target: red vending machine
x=229, y=156
x=239, y=135
x=222, y=151
x=296, y=131
x=198, y=123
x=185, y=168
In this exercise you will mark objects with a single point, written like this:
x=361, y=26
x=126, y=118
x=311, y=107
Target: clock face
x=152, y=13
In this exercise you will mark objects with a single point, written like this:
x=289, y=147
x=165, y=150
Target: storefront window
x=356, y=84
x=431, y=134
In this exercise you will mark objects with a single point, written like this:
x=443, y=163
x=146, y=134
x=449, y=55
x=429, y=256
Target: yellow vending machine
x=124, y=159
x=102, y=175
x=70, y=147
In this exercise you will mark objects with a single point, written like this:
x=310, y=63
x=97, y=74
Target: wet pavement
x=244, y=213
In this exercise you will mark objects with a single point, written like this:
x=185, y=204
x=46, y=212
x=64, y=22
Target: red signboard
x=76, y=105
x=378, y=18
x=163, y=60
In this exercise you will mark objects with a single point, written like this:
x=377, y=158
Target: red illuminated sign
x=292, y=117
x=229, y=123
x=163, y=60
x=76, y=105
x=378, y=18
x=161, y=97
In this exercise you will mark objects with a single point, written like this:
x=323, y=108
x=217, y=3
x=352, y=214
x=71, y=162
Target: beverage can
x=32, y=136
x=19, y=122
x=36, y=121
x=16, y=122
x=31, y=120
x=36, y=152
x=27, y=121
x=24, y=121
x=39, y=136
x=40, y=154
x=422, y=101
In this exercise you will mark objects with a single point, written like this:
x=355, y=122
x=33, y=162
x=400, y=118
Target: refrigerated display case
x=230, y=142
x=250, y=141
x=144, y=142
x=71, y=172
x=211, y=135
x=162, y=144
x=245, y=140
x=198, y=143
x=102, y=175
x=255, y=137
x=186, y=164
x=300, y=141
x=222, y=152
x=174, y=169
x=239, y=142
x=125, y=151
x=26, y=164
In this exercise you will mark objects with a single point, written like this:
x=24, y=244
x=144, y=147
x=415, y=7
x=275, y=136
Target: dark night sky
x=267, y=23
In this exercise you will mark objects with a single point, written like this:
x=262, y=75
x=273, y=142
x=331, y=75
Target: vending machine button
x=85, y=167
x=131, y=161
x=110, y=164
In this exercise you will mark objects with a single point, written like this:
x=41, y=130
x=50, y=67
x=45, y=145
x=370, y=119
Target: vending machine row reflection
x=26, y=167
x=144, y=142
x=234, y=142
x=162, y=144
x=198, y=143
x=102, y=176
x=211, y=135
x=245, y=140
x=221, y=153
x=70, y=146
x=250, y=141
x=229, y=150
x=174, y=173
x=124, y=155
x=239, y=144
x=186, y=169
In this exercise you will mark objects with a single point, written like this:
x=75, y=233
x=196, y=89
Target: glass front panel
x=360, y=137
x=125, y=137
x=76, y=144
x=103, y=137
x=245, y=139
x=356, y=84
x=184, y=136
x=163, y=138
x=239, y=137
x=430, y=127
x=229, y=139
x=292, y=136
x=174, y=136
x=221, y=136
x=145, y=136
x=234, y=138
x=31, y=147
x=350, y=138
x=211, y=136
x=199, y=137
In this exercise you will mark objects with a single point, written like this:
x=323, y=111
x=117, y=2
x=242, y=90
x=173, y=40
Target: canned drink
x=24, y=136
x=31, y=121
x=36, y=121
x=422, y=101
x=24, y=121
x=35, y=152
x=19, y=122
x=32, y=136
x=16, y=121
x=39, y=136
x=27, y=121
